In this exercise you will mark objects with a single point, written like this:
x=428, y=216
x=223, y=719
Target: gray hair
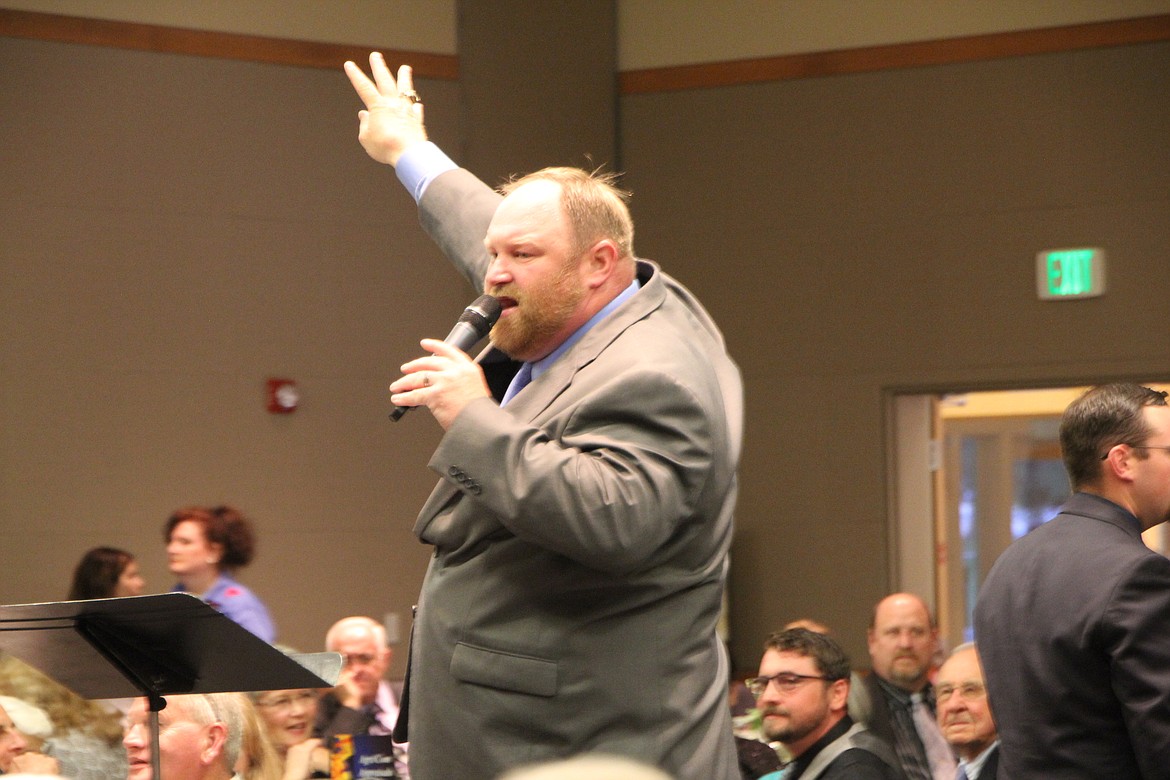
x=206, y=709
x=357, y=621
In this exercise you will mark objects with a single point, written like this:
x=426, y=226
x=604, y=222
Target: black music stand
x=153, y=646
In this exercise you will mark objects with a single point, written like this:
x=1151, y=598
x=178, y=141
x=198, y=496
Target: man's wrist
x=419, y=164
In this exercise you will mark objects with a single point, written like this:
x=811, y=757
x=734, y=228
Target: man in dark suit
x=965, y=716
x=1073, y=622
x=581, y=522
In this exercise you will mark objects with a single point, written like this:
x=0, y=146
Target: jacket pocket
x=506, y=671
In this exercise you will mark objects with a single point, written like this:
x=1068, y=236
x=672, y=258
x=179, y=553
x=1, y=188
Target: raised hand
x=392, y=120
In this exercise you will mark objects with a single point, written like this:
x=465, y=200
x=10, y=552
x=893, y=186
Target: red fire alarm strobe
x=283, y=396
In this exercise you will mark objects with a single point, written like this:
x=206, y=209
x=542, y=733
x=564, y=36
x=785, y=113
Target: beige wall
x=862, y=235
x=177, y=229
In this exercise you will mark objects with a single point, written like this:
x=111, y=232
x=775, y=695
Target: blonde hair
x=66, y=710
x=594, y=205
x=258, y=759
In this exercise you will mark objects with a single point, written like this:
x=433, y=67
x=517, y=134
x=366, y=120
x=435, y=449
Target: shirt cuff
x=421, y=164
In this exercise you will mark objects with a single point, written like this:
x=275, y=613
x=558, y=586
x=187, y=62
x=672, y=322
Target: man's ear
x=214, y=744
x=600, y=262
x=838, y=695
x=1120, y=462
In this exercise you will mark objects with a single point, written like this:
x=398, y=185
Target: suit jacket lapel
x=543, y=392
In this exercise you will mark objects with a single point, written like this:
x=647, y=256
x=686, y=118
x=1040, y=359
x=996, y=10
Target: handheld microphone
x=475, y=322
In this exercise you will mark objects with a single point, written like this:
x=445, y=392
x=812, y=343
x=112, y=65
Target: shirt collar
x=974, y=768
x=540, y=366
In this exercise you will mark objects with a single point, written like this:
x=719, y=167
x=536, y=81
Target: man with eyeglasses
x=1073, y=622
x=965, y=716
x=801, y=694
x=363, y=701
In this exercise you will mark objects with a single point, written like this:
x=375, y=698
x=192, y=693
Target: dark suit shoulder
x=857, y=763
x=990, y=766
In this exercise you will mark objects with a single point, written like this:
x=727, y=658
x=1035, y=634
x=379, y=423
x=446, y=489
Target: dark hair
x=97, y=573
x=830, y=658
x=222, y=525
x=1100, y=419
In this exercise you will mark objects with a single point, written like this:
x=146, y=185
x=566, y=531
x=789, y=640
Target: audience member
x=106, y=572
x=362, y=702
x=756, y=757
x=30, y=720
x=258, y=759
x=588, y=767
x=205, y=547
x=858, y=698
x=584, y=509
x=199, y=737
x=902, y=642
x=85, y=737
x=288, y=718
x=1073, y=621
x=965, y=716
x=15, y=756
x=802, y=692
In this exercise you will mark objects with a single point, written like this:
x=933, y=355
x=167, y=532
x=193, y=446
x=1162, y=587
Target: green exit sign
x=1068, y=274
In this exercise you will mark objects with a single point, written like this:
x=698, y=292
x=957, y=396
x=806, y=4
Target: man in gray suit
x=581, y=529
x=1073, y=622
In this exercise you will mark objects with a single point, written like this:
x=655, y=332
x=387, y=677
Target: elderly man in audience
x=363, y=701
x=964, y=714
x=902, y=642
x=199, y=737
x=802, y=692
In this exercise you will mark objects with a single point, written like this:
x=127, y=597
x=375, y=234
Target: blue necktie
x=519, y=382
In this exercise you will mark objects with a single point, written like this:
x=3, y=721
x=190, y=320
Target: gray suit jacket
x=581, y=541
x=1073, y=629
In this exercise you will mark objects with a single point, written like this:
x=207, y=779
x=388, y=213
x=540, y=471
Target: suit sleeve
x=617, y=483
x=1138, y=638
x=455, y=211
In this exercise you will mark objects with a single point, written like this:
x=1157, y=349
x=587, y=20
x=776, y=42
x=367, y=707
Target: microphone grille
x=482, y=314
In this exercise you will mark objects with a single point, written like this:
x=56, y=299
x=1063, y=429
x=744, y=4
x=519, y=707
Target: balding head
x=902, y=641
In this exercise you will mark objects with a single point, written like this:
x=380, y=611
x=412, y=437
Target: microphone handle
x=463, y=336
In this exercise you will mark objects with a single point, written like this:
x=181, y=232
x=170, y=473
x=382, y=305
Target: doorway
x=974, y=471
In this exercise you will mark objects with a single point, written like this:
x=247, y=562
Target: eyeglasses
x=966, y=691
x=786, y=682
x=361, y=659
x=286, y=701
x=1162, y=447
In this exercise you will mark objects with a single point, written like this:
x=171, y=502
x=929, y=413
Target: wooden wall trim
x=204, y=43
x=904, y=55
x=313, y=54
